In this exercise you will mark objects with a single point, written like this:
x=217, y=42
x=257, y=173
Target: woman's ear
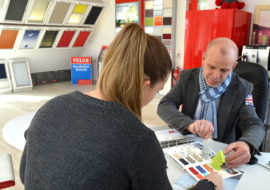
x=146, y=83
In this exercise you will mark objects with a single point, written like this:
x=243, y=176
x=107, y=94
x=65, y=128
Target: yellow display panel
x=38, y=11
x=75, y=19
x=80, y=8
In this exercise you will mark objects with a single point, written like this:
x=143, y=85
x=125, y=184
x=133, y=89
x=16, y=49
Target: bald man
x=217, y=104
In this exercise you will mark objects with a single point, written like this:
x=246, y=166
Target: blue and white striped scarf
x=208, y=98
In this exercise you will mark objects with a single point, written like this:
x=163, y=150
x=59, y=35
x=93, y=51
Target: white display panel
x=5, y=84
x=20, y=75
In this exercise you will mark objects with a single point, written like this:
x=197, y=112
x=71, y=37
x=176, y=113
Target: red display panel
x=66, y=39
x=202, y=26
x=81, y=39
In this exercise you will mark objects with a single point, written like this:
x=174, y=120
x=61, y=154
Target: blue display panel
x=29, y=39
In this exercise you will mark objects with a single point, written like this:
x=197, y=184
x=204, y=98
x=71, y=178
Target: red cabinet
x=204, y=25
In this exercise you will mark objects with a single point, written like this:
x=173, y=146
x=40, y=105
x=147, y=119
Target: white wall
x=104, y=31
x=42, y=60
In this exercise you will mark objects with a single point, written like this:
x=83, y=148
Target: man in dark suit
x=216, y=102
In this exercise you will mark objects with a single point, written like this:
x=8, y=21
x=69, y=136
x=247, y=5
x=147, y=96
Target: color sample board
x=8, y=38
x=59, y=13
x=93, y=15
x=66, y=38
x=158, y=19
x=48, y=39
x=81, y=39
x=189, y=156
x=29, y=39
x=16, y=10
x=38, y=11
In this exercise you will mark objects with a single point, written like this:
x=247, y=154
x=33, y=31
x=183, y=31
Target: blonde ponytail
x=131, y=55
x=122, y=74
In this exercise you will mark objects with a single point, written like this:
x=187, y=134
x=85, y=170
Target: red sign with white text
x=81, y=60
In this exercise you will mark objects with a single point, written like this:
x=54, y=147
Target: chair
x=258, y=76
x=7, y=178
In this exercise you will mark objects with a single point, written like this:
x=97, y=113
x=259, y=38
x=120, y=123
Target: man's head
x=219, y=60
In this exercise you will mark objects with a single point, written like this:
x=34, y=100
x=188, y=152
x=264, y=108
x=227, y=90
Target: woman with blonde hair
x=96, y=140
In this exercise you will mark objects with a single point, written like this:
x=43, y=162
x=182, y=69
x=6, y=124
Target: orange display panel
x=8, y=38
x=158, y=20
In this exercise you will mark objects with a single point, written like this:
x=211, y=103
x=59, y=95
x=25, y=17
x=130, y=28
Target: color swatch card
x=190, y=157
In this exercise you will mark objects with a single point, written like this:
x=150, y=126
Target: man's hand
x=240, y=156
x=203, y=128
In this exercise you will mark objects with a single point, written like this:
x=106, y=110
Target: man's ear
x=203, y=58
x=235, y=64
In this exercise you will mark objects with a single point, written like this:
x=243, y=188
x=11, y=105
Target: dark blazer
x=235, y=120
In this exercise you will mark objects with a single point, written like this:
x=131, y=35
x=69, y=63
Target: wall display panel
x=29, y=39
x=20, y=74
x=81, y=39
x=158, y=20
x=75, y=19
x=8, y=38
x=66, y=39
x=38, y=11
x=80, y=8
x=77, y=14
x=93, y=15
x=5, y=83
x=16, y=10
x=48, y=39
x=59, y=13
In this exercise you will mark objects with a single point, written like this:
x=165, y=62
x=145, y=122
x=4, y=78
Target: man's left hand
x=240, y=156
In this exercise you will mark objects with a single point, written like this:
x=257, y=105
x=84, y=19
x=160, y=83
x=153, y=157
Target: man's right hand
x=203, y=128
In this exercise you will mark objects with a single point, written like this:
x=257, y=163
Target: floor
x=20, y=103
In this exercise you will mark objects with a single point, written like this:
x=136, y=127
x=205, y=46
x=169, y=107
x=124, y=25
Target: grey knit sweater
x=79, y=142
